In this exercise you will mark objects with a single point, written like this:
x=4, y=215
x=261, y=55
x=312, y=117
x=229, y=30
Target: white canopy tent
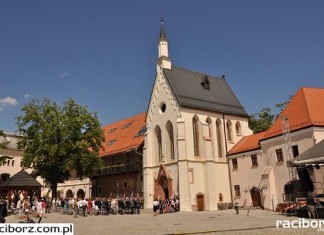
x=312, y=156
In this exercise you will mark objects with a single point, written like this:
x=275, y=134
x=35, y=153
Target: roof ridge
x=247, y=143
x=121, y=120
x=311, y=87
x=306, y=104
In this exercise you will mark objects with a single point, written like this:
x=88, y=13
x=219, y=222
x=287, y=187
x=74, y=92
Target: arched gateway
x=163, y=184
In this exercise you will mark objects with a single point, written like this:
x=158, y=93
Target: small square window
x=116, y=185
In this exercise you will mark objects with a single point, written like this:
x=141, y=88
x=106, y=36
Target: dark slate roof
x=21, y=179
x=189, y=91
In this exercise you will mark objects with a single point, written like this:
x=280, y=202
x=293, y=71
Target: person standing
x=3, y=212
x=155, y=206
x=236, y=206
x=310, y=205
x=76, y=207
x=138, y=205
x=84, y=204
x=42, y=208
x=161, y=206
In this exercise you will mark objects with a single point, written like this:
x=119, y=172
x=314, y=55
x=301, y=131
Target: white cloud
x=27, y=96
x=7, y=103
x=65, y=74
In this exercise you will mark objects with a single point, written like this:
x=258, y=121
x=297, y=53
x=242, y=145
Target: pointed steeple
x=163, y=60
x=162, y=32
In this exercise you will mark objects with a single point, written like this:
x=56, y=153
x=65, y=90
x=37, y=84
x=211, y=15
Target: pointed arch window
x=210, y=135
x=238, y=128
x=219, y=138
x=195, y=128
x=229, y=130
x=170, y=145
x=158, y=143
x=209, y=122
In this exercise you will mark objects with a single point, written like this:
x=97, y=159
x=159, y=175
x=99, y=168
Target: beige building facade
x=193, y=119
x=258, y=163
x=14, y=164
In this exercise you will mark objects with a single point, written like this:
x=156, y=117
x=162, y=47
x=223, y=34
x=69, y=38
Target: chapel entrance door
x=200, y=203
x=163, y=184
x=256, y=196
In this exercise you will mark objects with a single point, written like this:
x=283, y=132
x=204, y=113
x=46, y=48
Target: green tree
x=283, y=105
x=3, y=145
x=58, y=139
x=261, y=121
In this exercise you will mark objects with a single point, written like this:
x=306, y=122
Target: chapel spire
x=162, y=32
x=163, y=61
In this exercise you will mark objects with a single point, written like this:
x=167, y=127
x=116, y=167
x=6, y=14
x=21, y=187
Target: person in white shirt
x=84, y=205
x=155, y=206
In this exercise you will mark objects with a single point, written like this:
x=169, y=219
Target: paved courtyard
x=205, y=222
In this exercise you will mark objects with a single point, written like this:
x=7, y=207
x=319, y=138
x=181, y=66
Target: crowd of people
x=26, y=207
x=22, y=207
x=98, y=205
x=166, y=206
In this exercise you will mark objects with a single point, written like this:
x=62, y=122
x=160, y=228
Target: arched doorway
x=200, y=202
x=255, y=196
x=163, y=184
x=80, y=194
x=69, y=193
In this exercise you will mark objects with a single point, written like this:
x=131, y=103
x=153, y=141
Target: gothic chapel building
x=193, y=120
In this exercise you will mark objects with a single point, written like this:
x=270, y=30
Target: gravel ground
x=204, y=222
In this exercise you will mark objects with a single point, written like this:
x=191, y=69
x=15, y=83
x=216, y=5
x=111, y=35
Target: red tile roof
x=247, y=143
x=305, y=109
x=121, y=136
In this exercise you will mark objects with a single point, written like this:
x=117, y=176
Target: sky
x=102, y=53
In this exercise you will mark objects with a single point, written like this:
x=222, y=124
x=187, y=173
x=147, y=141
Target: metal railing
x=118, y=169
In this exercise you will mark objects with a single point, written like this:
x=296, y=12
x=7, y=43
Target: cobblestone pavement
x=204, y=222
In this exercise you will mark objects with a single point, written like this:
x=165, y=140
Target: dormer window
x=205, y=82
x=111, y=142
x=111, y=130
x=127, y=125
x=141, y=131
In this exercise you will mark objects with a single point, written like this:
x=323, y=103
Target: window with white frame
x=237, y=190
x=279, y=155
